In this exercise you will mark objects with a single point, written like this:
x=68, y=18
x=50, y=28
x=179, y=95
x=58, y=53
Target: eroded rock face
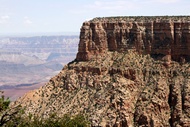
x=119, y=84
x=117, y=90
x=158, y=36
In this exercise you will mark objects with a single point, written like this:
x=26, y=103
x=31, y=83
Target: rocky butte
x=157, y=36
x=129, y=71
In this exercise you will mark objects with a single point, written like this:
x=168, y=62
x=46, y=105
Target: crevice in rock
x=170, y=102
x=183, y=97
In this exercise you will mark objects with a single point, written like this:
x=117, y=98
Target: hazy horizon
x=48, y=16
x=28, y=34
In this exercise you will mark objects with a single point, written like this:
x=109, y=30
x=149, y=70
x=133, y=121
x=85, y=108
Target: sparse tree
x=7, y=114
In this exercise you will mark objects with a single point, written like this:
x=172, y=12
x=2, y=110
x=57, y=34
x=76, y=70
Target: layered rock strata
x=158, y=36
x=117, y=83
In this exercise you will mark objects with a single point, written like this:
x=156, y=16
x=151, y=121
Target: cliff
x=157, y=36
x=120, y=77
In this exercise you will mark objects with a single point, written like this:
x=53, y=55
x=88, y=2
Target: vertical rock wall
x=159, y=38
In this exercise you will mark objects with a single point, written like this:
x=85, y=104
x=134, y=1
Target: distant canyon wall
x=157, y=36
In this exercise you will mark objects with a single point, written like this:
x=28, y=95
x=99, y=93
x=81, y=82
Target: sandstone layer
x=124, y=75
x=158, y=36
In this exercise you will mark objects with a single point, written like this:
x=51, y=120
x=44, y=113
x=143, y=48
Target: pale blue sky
x=36, y=16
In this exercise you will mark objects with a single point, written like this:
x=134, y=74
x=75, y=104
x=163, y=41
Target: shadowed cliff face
x=157, y=36
x=116, y=82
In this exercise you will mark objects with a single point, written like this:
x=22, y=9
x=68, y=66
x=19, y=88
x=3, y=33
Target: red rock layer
x=158, y=36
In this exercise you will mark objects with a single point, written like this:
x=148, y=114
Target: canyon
x=129, y=71
x=26, y=63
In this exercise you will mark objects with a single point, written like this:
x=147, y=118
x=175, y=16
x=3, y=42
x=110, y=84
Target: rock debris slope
x=129, y=71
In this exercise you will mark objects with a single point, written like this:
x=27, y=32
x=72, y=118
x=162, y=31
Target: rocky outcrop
x=158, y=36
x=117, y=90
x=119, y=84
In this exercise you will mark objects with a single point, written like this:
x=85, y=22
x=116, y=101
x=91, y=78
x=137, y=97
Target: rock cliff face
x=116, y=80
x=158, y=36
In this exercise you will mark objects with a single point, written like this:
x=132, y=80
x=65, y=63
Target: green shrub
x=4, y=102
x=14, y=117
x=52, y=121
